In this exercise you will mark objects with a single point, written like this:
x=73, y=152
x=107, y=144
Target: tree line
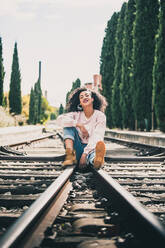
x=14, y=98
x=75, y=84
x=38, y=104
x=132, y=65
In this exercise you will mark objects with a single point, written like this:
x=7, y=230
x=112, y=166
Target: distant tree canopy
x=15, y=101
x=61, y=109
x=144, y=31
x=75, y=85
x=2, y=74
x=116, y=108
x=107, y=64
x=31, y=107
x=52, y=116
x=35, y=104
x=132, y=66
x=159, y=71
x=38, y=101
x=126, y=72
x=47, y=112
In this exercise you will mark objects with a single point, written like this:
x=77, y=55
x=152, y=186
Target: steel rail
x=32, y=140
x=135, y=159
x=32, y=158
x=144, y=224
x=41, y=214
x=122, y=141
x=61, y=157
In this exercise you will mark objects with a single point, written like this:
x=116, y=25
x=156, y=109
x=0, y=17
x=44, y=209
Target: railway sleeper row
x=147, y=187
x=77, y=221
x=20, y=185
x=95, y=215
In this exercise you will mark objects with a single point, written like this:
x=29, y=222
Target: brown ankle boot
x=70, y=157
x=100, y=153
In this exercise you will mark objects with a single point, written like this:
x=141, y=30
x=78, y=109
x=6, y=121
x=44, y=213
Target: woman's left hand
x=83, y=161
x=83, y=130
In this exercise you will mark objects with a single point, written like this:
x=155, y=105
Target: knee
x=69, y=131
x=69, y=128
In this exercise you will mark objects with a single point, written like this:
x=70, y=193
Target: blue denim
x=72, y=133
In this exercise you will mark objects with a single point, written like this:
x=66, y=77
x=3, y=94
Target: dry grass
x=6, y=119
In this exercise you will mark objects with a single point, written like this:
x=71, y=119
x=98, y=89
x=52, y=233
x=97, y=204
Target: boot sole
x=69, y=163
x=100, y=152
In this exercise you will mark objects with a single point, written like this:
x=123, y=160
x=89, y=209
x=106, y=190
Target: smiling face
x=85, y=98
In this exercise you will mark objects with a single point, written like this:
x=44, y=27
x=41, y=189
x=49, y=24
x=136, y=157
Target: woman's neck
x=88, y=111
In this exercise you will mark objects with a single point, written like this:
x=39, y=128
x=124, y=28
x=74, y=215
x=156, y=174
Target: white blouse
x=95, y=125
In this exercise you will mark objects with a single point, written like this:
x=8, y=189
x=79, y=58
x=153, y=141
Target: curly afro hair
x=99, y=102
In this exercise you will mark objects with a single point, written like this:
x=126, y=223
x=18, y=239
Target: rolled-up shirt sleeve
x=97, y=134
x=67, y=120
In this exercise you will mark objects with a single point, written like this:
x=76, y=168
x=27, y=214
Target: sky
x=65, y=35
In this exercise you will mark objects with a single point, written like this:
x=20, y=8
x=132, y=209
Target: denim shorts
x=72, y=133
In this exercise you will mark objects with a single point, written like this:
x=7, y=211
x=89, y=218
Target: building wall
x=96, y=83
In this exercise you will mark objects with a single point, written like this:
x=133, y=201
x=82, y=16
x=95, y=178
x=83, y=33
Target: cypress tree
x=38, y=96
x=52, y=116
x=145, y=27
x=2, y=74
x=36, y=110
x=107, y=64
x=15, y=102
x=116, y=108
x=31, y=107
x=37, y=102
x=35, y=105
x=159, y=71
x=75, y=85
x=125, y=86
x=61, y=109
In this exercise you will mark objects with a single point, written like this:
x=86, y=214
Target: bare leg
x=68, y=143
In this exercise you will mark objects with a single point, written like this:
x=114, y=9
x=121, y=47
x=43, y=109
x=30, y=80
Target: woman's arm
x=70, y=120
x=98, y=133
x=67, y=120
x=83, y=130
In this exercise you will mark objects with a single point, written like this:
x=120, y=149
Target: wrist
x=79, y=125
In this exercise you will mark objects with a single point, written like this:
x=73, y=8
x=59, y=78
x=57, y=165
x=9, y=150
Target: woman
x=84, y=128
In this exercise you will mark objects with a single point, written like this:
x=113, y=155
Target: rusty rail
x=28, y=230
x=143, y=223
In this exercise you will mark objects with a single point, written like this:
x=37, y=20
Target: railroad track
x=142, y=149
x=89, y=209
x=22, y=181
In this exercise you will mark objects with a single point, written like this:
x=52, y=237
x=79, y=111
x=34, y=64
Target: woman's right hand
x=83, y=130
x=83, y=161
